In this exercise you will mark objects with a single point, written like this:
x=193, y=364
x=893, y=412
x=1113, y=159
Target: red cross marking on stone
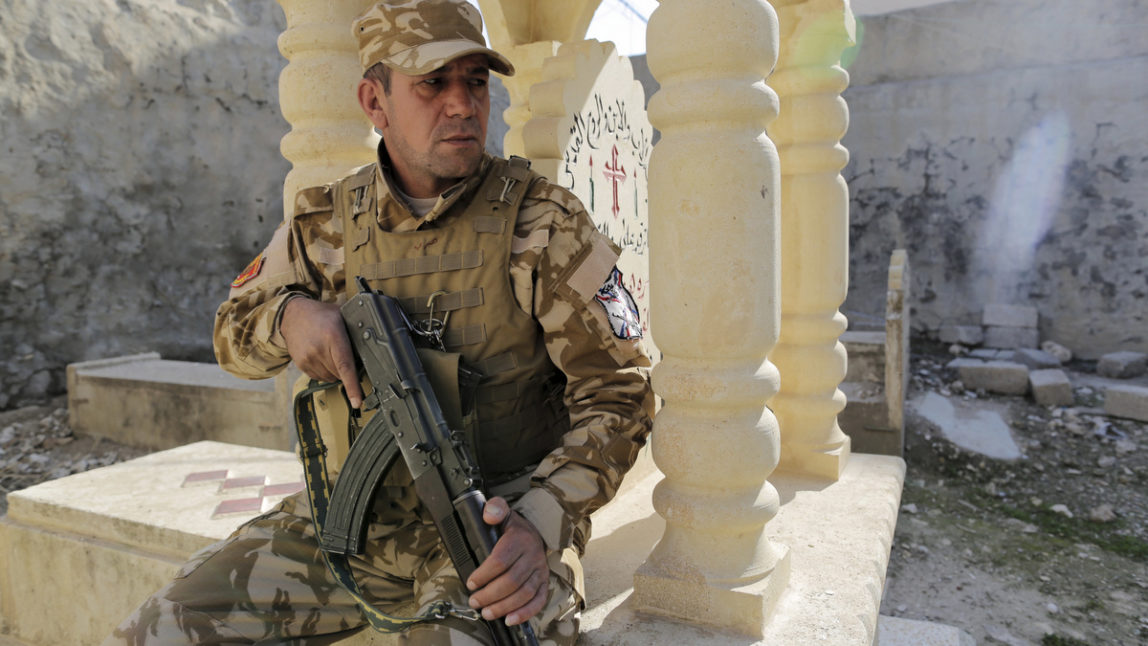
x=615, y=173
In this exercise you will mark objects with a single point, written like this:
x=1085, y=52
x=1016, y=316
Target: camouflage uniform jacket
x=607, y=390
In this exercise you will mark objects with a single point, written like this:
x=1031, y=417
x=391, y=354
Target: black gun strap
x=313, y=454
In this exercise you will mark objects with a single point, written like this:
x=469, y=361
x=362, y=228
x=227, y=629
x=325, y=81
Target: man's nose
x=460, y=101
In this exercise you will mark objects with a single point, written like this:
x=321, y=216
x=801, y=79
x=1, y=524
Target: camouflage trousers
x=268, y=584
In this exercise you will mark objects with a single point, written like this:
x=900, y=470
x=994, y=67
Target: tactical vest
x=458, y=273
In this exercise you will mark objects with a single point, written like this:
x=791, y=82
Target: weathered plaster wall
x=1004, y=143
x=140, y=172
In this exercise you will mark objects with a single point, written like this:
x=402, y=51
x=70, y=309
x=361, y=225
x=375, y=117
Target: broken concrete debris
x=1122, y=365
x=1050, y=387
x=1063, y=354
x=1004, y=377
x=1127, y=401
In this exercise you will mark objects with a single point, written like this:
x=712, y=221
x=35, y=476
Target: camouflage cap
x=419, y=36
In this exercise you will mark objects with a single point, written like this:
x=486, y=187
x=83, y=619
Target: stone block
x=866, y=352
x=146, y=401
x=1127, y=401
x=1122, y=365
x=1034, y=359
x=1011, y=337
x=1051, y=387
x=98, y=543
x=988, y=354
x=1004, y=315
x=865, y=419
x=963, y=334
x=1004, y=377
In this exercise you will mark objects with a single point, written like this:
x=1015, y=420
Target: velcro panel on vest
x=422, y=265
x=444, y=302
x=489, y=224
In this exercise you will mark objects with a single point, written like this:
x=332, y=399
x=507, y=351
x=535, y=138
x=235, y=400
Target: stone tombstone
x=589, y=133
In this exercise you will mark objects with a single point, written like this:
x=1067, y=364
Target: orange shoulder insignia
x=250, y=272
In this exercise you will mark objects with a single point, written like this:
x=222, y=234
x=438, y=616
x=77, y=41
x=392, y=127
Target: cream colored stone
x=814, y=224
x=897, y=341
x=329, y=135
x=714, y=203
x=145, y=401
x=589, y=133
x=838, y=536
x=100, y=542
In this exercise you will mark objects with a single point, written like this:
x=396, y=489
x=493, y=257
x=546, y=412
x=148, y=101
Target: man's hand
x=512, y=582
x=317, y=342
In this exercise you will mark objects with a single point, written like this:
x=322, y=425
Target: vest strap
x=417, y=306
x=422, y=265
x=469, y=335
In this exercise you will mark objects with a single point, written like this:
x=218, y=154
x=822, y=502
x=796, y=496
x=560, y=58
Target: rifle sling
x=313, y=455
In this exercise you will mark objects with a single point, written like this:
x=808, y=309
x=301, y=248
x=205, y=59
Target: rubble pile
x=1009, y=363
x=37, y=445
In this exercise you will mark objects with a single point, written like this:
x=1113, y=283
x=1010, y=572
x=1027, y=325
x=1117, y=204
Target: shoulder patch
x=251, y=271
x=620, y=307
x=314, y=199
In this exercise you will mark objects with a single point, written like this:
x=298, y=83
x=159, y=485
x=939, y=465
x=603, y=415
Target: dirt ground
x=985, y=545
x=980, y=544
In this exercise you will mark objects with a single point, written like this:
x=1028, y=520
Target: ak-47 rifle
x=408, y=422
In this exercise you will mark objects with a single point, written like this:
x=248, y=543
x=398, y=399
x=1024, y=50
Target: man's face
x=434, y=125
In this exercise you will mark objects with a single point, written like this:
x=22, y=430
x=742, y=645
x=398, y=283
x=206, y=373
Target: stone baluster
x=814, y=232
x=714, y=240
x=528, y=60
x=329, y=135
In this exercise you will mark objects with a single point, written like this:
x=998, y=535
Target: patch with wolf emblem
x=620, y=307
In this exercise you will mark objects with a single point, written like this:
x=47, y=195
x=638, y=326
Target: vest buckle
x=507, y=184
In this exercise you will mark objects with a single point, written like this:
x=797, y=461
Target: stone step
x=100, y=542
x=143, y=400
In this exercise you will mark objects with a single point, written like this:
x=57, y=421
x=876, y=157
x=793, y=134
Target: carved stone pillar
x=814, y=232
x=528, y=60
x=714, y=238
x=329, y=132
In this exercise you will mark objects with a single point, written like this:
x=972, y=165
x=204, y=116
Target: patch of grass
x=1061, y=640
x=1073, y=529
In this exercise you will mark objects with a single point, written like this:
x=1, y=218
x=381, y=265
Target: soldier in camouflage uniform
x=535, y=301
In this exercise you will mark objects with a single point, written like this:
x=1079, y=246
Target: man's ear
x=372, y=101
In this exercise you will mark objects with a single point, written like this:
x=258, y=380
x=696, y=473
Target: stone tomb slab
x=98, y=543
x=146, y=401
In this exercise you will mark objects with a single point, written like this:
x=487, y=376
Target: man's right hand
x=317, y=342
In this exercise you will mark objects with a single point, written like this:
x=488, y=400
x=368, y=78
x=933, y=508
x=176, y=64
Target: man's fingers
x=344, y=363
x=526, y=602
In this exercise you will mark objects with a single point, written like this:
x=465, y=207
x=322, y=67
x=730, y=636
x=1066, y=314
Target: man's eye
x=478, y=82
x=432, y=81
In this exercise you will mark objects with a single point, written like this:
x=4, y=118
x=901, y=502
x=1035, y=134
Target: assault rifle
x=410, y=422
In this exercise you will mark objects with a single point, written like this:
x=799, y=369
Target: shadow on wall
x=142, y=172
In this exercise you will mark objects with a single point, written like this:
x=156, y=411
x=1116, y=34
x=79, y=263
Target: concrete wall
x=1004, y=143
x=140, y=173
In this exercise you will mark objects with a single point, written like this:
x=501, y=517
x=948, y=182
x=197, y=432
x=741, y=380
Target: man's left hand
x=513, y=581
